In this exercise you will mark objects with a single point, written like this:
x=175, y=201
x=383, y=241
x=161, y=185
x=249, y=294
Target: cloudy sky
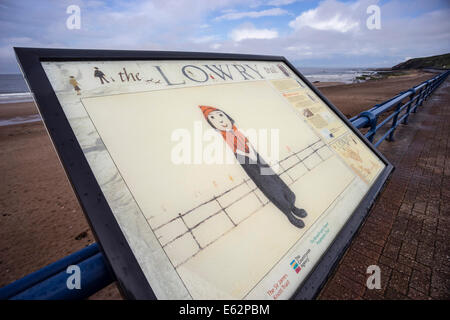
x=329, y=33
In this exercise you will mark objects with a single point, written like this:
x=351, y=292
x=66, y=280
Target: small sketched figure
x=153, y=81
x=269, y=183
x=99, y=74
x=75, y=84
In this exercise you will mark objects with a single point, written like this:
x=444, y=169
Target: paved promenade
x=407, y=232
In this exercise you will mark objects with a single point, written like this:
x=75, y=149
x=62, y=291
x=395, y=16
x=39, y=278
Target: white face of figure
x=219, y=120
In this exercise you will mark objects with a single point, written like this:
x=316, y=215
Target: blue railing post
x=394, y=121
x=408, y=109
x=421, y=97
x=428, y=89
x=372, y=124
x=416, y=103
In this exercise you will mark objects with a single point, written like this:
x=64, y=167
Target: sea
x=344, y=75
x=14, y=89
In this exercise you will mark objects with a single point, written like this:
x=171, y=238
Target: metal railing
x=50, y=282
x=401, y=109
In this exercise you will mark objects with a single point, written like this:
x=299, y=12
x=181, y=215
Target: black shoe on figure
x=295, y=221
x=299, y=213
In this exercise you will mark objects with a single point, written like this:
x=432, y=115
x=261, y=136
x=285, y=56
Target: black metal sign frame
x=121, y=260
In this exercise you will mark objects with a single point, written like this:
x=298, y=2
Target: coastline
x=15, y=97
x=41, y=220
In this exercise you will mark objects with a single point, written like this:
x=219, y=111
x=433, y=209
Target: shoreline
x=15, y=97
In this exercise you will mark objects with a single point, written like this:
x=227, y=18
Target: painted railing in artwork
x=51, y=282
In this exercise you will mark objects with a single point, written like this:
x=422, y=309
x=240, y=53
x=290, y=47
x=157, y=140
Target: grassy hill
x=436, y=62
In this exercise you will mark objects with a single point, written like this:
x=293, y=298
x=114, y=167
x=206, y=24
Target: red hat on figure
x=207, y=110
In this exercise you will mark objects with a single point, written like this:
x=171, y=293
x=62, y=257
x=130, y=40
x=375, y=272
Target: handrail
x=51, y=282
x=417, y=95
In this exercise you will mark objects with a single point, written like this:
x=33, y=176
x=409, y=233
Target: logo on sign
x=295, y=266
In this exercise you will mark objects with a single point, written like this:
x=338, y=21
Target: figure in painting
x=99, y=74
x=75, y=84
x=254, y=165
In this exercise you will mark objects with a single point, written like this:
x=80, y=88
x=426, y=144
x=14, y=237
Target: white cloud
x=215, y=46
x=204, y=39
x=250, y=32
x=277, y=3
x=252, y=14
x=329, y=15
x=312, y=20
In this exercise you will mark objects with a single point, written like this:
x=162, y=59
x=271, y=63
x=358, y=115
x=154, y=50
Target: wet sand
x=40, y=218
x=351, y=99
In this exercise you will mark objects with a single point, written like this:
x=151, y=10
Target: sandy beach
x=41, y=220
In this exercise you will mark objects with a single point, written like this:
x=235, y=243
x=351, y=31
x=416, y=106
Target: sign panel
x=229, y=177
